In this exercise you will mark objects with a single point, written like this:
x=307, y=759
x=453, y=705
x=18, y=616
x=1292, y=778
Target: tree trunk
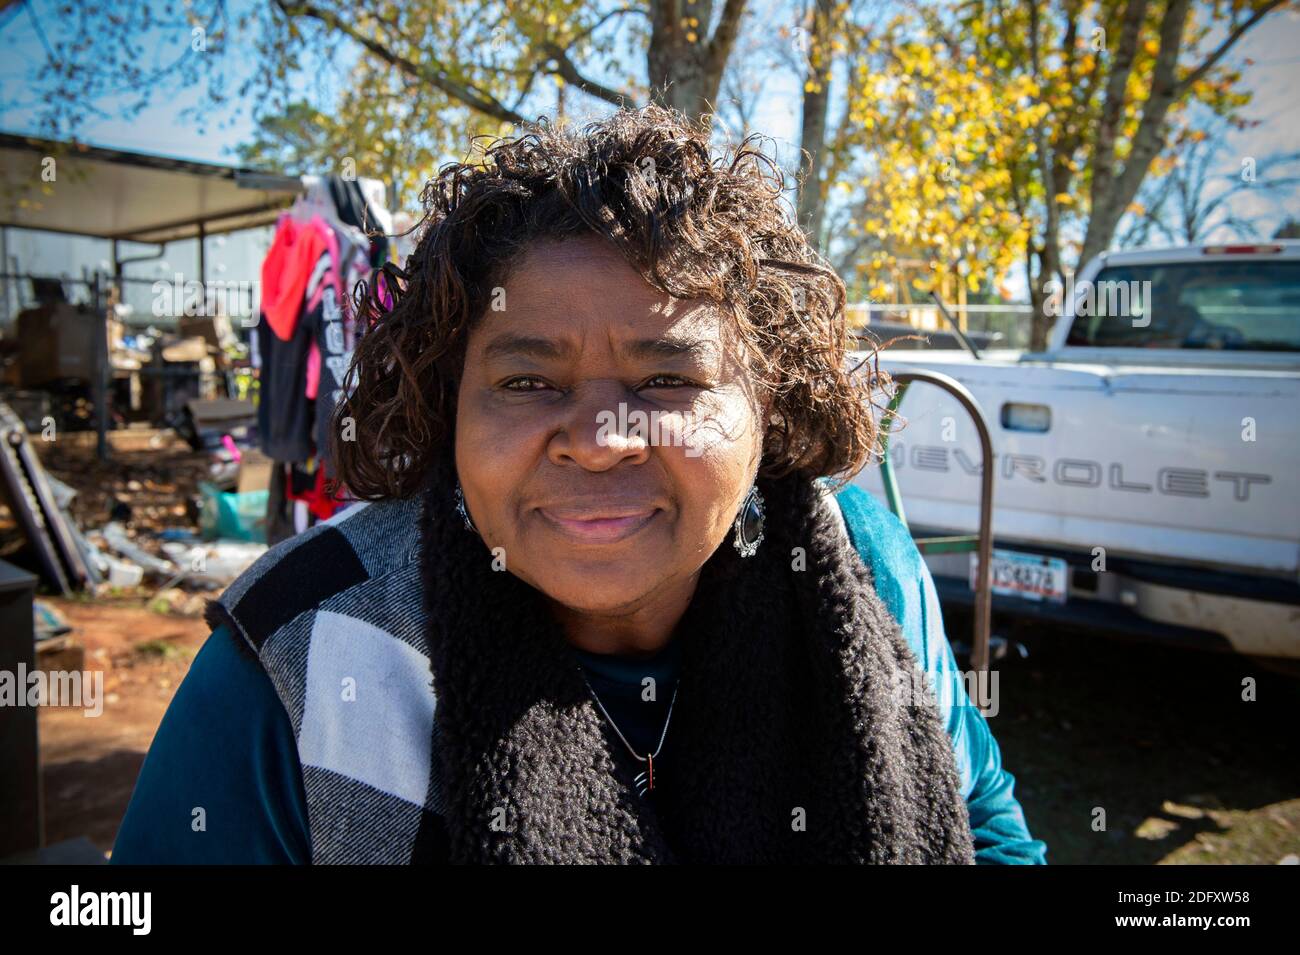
x=812, y=137
x=684, y=63
x=1040, y=323
x=1113, y=190
x=1049, y=256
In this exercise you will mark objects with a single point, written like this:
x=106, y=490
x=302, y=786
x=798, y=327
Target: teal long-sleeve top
x=222, y=782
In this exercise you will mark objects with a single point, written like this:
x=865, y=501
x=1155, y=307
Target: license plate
x=1025, y=575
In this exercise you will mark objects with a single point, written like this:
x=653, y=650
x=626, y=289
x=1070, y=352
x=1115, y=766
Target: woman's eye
x=524, y=383
x=666, y=381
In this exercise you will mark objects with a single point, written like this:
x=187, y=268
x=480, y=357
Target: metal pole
x=957, y=329
x=892, y=494
x=4, y=264
x=979, y=657
x=100, y=310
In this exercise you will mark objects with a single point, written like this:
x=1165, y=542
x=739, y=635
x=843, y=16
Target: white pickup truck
x=1145, y=464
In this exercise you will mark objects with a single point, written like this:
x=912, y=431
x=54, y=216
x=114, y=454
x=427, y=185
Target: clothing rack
x=335, y=234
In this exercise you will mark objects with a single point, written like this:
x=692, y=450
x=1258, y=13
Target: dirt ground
x=1185, y=769
x=90, y=764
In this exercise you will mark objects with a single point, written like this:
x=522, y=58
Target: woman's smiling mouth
x=598, y=525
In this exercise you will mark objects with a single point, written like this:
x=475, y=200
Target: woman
x=599, y=604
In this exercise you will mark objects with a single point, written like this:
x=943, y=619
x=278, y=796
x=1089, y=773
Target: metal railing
x=980, y=543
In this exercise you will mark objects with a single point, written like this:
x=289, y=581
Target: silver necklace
x=645, y=780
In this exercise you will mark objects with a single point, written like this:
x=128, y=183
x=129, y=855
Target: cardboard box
x=254, y=471
x=56, y=341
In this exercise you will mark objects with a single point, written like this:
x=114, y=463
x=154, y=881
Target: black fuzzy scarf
x=786, y=743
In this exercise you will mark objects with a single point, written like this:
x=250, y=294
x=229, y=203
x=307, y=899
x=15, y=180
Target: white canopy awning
x=110, y=194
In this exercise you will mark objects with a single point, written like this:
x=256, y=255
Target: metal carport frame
x=74, y=189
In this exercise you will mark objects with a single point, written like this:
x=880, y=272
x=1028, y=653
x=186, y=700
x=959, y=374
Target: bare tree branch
x=1113, y=194
x=435, y=76
x=724, y=37
x=566, y=70
x=1229, y=41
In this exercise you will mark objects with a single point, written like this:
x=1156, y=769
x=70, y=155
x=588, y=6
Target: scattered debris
x=116, y=537
x=157, y=510
x=238, y=517
x=207, y=422
x=122, y=573
x=1182, y=811
x=216, y=563
x=35, y=508
x=49, y=623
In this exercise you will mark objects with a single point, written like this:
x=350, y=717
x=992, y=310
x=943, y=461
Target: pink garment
x=313, y=370
x=343, y=276
x=330, y=243
x=285, y=271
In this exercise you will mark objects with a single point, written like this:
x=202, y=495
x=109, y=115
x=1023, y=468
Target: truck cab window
x=1241, y=306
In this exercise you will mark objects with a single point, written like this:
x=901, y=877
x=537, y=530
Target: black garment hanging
x=354, y=210
x=331, y=324
x=285, y=414
x=281, y=522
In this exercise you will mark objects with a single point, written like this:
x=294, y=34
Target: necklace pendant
x=645, y=780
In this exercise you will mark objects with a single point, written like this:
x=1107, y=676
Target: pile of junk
x=178, y=401
x=252, y=400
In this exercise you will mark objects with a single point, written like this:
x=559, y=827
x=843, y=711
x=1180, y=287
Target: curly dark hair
x=693, y=225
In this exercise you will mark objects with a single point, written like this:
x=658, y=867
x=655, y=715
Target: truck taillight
x=1241, y=249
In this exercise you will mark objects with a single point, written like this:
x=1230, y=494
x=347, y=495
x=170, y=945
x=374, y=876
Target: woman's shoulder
x=885, y=546
x=221, y=782
x=374, y=534
x=365, y=543
x=877, y=533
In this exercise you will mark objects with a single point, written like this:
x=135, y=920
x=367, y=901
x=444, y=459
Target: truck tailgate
x=1190, y=465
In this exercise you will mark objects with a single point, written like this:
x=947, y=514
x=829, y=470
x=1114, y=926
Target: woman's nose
x=601, y=429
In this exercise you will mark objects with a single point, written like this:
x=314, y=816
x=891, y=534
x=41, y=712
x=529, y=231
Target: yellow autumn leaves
x=941, y=136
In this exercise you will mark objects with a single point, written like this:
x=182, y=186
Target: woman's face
x=575, y=352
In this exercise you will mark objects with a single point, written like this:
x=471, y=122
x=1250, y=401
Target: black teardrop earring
x=463, y=511
x=749, y=524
